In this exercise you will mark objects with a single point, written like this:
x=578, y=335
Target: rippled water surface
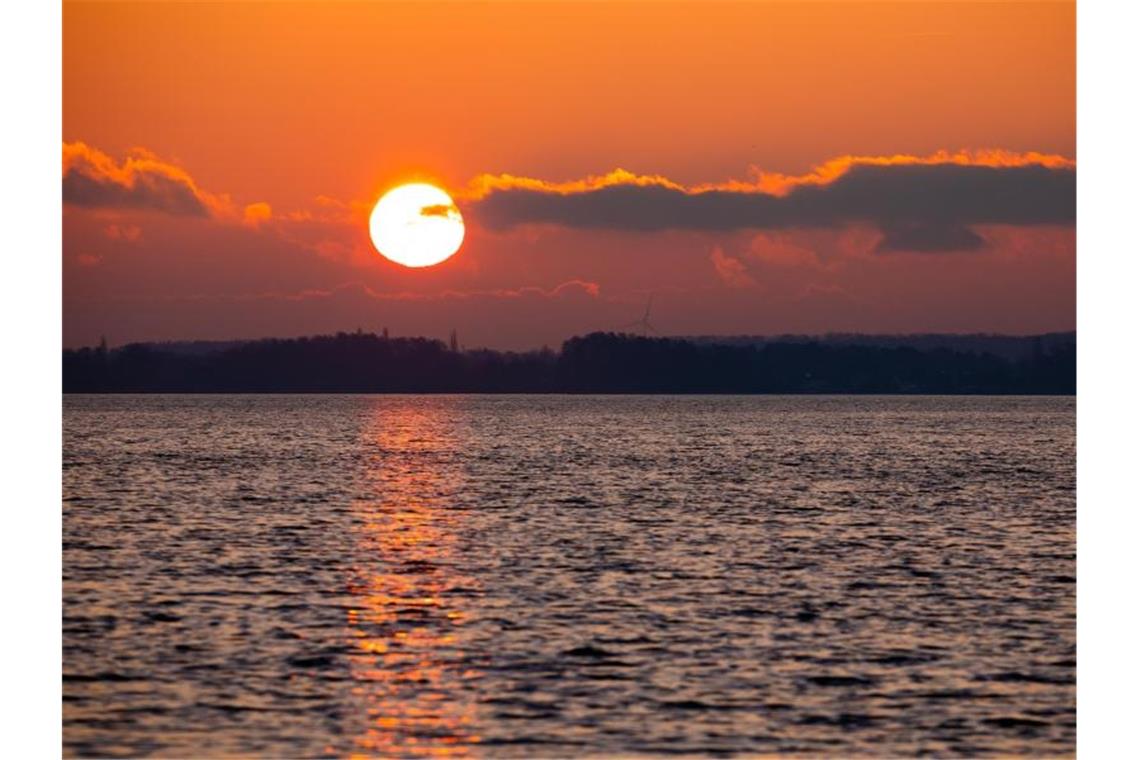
x=564, y=576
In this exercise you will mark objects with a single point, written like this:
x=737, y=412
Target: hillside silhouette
x=596, y=363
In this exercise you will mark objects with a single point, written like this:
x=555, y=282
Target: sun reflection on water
x=405, y=624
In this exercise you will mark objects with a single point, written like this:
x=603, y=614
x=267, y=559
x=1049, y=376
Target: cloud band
x=93, y=179
x=918, y=204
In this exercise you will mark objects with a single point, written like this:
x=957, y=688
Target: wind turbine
x=643, y=324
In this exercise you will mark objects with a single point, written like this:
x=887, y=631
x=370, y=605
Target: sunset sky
x=760, y=168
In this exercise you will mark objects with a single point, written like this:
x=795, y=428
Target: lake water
x=565, y=576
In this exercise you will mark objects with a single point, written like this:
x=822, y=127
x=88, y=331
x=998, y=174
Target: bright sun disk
x=416, y=225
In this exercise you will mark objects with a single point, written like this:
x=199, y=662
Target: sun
x=416, y=225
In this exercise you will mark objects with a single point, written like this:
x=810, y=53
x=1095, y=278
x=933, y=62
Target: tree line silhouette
x=596, y=363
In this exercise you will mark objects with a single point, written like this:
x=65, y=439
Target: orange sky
x=313, y=109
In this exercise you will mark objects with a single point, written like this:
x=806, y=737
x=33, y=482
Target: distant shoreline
x=599, y=363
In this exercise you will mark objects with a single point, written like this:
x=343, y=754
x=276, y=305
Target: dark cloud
x=155, y=193
x=925, y=237
x=920, y=207
x=92, y=179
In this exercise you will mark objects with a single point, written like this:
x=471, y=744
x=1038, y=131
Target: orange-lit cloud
x=485, y=184
x=730, y=270
x=830, y=171
x=144, y=182
x=256, y=213
x=771, y=183
x=766, y=182
x=439, y=209
x=779, y=249
x=917, y=203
